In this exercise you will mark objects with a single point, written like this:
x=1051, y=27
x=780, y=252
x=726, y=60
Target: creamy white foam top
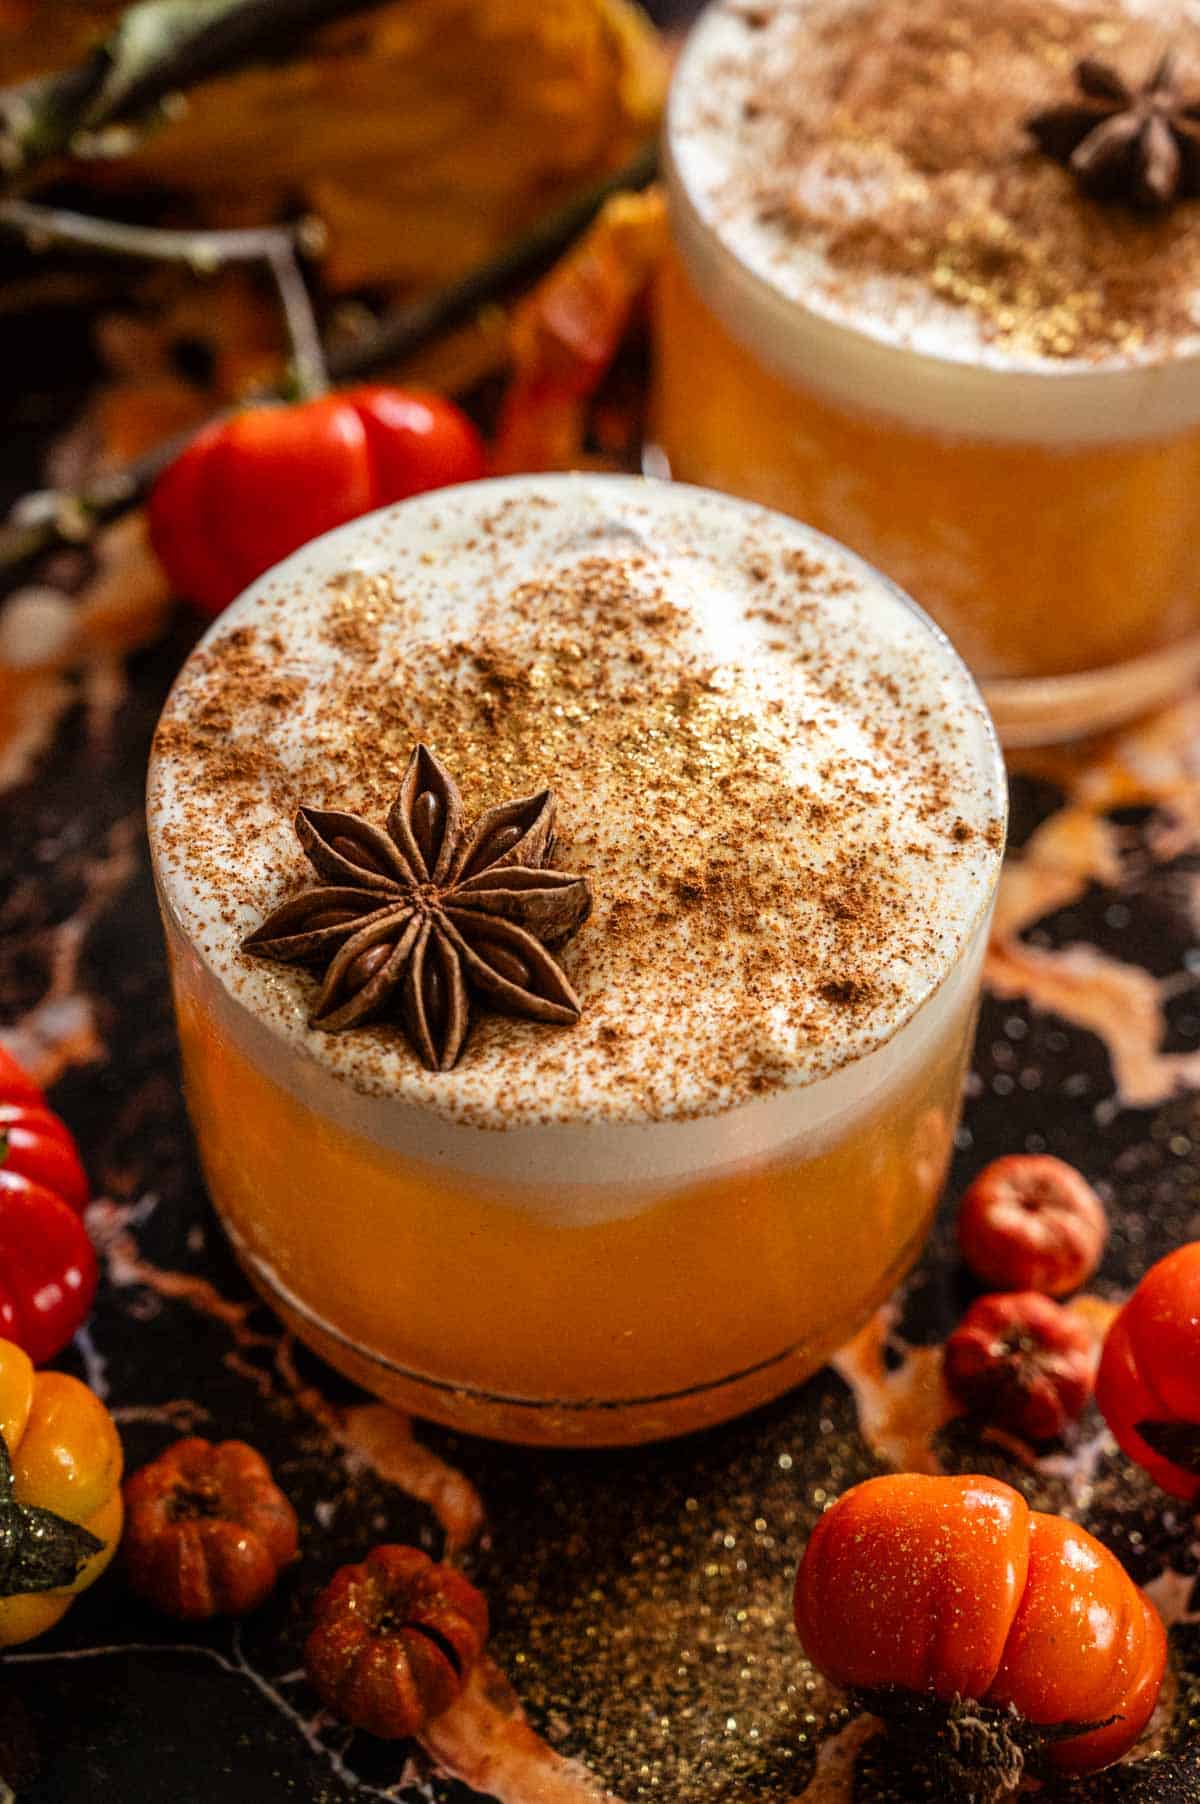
x=775, y=772
x=882, y=339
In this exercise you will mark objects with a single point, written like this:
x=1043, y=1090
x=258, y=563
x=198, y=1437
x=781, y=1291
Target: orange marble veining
x=901, y=1410
x=1121, y=1004
x=833, y=1780
x=384, y=1440
x=77, y=650
x=485, y=1741
x=1154, y=763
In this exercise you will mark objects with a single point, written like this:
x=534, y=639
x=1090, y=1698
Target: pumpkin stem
x=39, y=1551
x=959, y=1749
x=952, y=1748
x=981, y=1747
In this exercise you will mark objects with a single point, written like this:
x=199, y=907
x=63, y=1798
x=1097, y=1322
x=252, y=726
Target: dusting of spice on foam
x=787, y=789
x=887, y=163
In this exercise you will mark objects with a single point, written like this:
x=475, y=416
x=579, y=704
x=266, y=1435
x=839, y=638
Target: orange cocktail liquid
x=487, y=1307
x=1040, y=561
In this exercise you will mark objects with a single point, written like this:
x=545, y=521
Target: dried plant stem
x=202, y=251
x=157, y=49
x=47, y=518
x=309, y=371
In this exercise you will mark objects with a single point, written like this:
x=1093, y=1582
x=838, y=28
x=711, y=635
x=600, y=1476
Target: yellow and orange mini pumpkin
x=60, y=1494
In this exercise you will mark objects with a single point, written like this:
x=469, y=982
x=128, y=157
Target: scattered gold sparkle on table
x=659, y=1636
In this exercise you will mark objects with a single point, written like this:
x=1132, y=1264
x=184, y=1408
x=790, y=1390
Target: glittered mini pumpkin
x=393, y=1639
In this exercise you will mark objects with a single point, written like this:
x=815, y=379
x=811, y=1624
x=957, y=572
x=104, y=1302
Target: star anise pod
x=431, y=914
x=1139, y=145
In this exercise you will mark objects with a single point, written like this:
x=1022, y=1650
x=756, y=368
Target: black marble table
x=640, y=1598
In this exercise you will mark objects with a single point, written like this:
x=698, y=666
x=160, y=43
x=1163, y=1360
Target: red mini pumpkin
x=953, y=1587
x=1148, y=1385
x=1022, y=1362
x=252, y=488
x=1032, y=1222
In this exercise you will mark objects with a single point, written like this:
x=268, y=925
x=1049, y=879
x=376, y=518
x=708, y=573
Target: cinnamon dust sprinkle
x=889, y=137
x=768, y=838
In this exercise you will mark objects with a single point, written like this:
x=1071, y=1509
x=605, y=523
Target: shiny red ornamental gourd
x=40, y=1147
x=47, y=1266
x=249, y=490
x=1148, y=1385
x=954, y=1587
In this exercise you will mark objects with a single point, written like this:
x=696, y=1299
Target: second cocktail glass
x=889, y=313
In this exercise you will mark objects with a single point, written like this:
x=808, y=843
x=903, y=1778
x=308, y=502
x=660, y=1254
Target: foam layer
x=580, y=1172
x=854, y=193
x=775, y=772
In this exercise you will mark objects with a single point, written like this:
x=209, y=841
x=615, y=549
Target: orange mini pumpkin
x=954, y=1587
x=393, y=1640
x=208, y=1530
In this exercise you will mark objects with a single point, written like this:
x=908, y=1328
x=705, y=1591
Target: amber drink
x=891, y=311
x=784, y=794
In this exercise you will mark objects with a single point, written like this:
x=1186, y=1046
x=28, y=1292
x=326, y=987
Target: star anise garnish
x=431, y=914
x=1138, y=145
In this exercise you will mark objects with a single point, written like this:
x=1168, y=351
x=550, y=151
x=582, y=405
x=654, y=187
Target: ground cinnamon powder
x=890, y=133
x=745, y=918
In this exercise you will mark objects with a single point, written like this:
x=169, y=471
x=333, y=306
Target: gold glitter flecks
x=786, y=905
x=891, y=139
x=359, y=604
x=660, y=1645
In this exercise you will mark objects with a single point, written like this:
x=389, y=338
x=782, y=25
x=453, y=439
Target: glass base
x=1031, y=711
x=584, y=1422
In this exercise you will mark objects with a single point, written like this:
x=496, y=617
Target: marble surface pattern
x=642, y=1644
